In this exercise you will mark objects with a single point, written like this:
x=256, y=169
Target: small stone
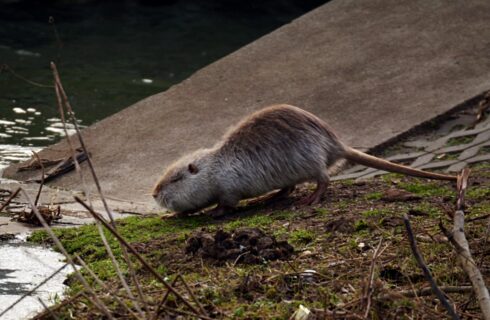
x=305, y=253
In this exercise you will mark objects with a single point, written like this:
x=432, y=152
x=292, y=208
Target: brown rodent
x=274, y=148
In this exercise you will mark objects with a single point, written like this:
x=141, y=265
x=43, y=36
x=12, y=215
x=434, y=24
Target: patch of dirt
x=245, y=245
x=342, y=225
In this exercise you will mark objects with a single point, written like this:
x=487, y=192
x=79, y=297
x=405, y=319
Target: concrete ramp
x=373, y=69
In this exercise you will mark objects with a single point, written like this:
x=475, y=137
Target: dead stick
x=368, y=290
x=192, y=294
x=25, y=295
x=96, y=301
x=464, y=254
x=10, y=198
x=59, y=306
x=137, y=255
x=18, y=76
x=59, y=89
x=184, y=312
x=51, y=314
x=427, y=274
x=105, y=287
x=164, y=299
x=426, y=292
x=42, y=178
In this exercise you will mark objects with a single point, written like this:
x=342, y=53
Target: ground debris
x=49, y=214
x=245, y=245
x=393, y=195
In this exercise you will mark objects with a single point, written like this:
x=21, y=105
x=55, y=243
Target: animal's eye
x=176, y=178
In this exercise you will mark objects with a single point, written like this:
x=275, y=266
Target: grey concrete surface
x=373, y=69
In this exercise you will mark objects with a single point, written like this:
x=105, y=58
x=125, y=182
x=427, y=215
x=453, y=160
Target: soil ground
x=329, y=269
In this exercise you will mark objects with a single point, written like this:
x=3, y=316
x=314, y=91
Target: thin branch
x=186, y=313
x=105, y=286
x=61, y=92
x=42, y=177
x=10, y=198
x=192, y=294
x=368, y=291
x=463, y=249
x=51, y=314
x=18, y=76
x=59, y=305
x=95, y=300
x=426, y=292
x=164, y=299
x=425, y=269
x=137, y=255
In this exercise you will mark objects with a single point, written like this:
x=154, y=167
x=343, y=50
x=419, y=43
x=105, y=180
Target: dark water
x=112, y=54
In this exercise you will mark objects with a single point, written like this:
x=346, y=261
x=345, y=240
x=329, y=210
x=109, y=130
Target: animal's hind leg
x=316, y=196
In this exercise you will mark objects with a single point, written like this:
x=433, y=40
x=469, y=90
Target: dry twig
x=63, y=100
x=426, y=271
x=139, y=257
x=47, y=310
x=463, y=249
x=59, y=306
x=10, y=198
x=38, y=195
x=93, y=297
x=106, y=287
x=368, y=291
x=425, y=292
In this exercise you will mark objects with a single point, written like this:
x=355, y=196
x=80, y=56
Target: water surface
x=112, y=54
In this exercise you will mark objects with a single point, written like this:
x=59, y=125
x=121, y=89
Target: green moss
x=427, y=189
x=322, y=211
x=302, y=236
x=390, y=177
x=374, y=196
x=480, y=193
x=459, y=140
x=360, y=225
x=429, y=209
x=375, y=212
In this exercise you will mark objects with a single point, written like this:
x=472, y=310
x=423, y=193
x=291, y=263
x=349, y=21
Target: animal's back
x=274, y=148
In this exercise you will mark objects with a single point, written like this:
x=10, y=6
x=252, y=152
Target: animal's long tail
x=374, y=162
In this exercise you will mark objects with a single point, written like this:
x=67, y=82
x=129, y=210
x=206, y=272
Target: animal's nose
x=156, y=191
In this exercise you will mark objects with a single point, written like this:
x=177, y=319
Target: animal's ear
x=192, y=168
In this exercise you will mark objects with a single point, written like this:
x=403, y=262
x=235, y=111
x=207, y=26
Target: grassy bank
x=335, y=239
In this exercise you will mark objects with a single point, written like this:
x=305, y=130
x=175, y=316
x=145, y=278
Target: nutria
x=274, y=148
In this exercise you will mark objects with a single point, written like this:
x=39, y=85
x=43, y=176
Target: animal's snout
x=156, y=191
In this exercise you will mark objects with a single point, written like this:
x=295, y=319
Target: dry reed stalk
x=10, y=198
x=47, y=310
x=368, y=291
x=420, y=261
x=63, y=100
x=106, y=287
x=59, y=306
x=38, y=195
x=461, y=245
x=138, y=256
x=59, y=94
x=93, y=298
